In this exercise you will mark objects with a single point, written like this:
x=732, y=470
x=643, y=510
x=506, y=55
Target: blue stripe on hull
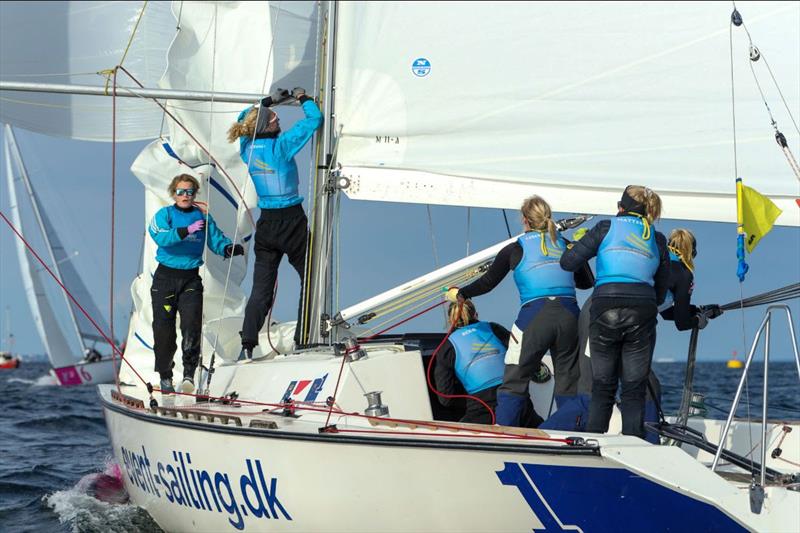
x=609, y=499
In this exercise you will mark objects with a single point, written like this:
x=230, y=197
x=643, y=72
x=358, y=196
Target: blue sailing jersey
x=539, y=273
x=625, y=256
x=271, y=162
x=479, y=356
x=669, y=299
x=186, y=253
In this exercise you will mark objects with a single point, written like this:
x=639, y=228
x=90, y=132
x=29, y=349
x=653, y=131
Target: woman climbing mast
x=548, y=317
x=632, y=277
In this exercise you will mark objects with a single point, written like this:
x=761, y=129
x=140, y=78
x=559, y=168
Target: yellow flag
x=759, y=214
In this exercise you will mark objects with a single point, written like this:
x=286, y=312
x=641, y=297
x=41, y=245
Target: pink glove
x=196, y=226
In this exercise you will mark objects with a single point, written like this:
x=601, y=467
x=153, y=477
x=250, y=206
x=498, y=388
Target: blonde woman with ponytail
x=282, y=228
x=472, y=360
x=677, y=306
x=632, y=277
x=548, y=315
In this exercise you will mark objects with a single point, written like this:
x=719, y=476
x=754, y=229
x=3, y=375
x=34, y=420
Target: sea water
x=52, y=438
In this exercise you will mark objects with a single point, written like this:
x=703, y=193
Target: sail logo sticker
x=311, y=388
x=421, y=67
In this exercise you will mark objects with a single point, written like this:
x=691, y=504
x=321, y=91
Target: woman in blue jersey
x=632, y=278
x=282, y=228
x=548, y=317
x=678, y=305
x=181, y=234
x=472, y=356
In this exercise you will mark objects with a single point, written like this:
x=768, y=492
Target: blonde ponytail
x=461, y=315
x=537, y=213
x=681, y=242
x=244, y=128
x=648, y=198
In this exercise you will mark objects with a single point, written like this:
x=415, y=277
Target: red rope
x=71, y=297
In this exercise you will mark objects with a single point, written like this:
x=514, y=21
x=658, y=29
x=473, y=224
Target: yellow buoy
x=735, y=363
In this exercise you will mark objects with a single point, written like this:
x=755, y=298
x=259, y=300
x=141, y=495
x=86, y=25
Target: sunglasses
x=184, y=192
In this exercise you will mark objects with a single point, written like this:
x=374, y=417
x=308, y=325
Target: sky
x=382, y=245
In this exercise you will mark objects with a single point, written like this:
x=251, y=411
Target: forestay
x=69, y=43
x=487, y=105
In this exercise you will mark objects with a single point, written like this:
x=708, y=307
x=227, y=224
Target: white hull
x=377, y=475
x=84, y=373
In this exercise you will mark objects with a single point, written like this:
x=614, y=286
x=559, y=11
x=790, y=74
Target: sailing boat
x=7, y=359
x=382, y=463
x=70, y=366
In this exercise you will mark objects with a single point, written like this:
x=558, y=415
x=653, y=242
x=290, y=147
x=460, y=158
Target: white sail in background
x=56, y=346
x=221, y=47
x=573, y=101
x=73, y=281
x=69, y=43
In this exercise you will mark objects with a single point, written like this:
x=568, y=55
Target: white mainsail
x=82, y=39
x=486, y=105
x=55, y=344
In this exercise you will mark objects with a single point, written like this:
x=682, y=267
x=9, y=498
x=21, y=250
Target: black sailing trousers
x=278, y=232
x=176, y=292
x=622, y=340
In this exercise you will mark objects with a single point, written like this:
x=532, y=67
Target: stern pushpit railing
x=757, y=489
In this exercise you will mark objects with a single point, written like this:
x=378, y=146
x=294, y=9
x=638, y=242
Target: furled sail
x=487, y=105
x=235, y=47
x=70, y=43
x=56, y=346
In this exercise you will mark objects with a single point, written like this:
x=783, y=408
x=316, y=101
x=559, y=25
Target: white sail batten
x=53, y=340
x=572, y=101
x=83, y=38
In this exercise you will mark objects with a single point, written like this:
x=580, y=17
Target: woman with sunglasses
x=677, y=305
x=181, y=232
x=632, y=277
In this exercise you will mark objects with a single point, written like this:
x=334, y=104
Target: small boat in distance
x=8, y=361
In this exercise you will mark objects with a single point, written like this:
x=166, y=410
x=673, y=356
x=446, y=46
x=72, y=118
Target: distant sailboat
x=7, y=358
x=88, y=366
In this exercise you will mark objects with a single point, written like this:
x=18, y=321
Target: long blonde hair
x=648, y=198
x=461, y=315
x=681, y=242
x=244, y=128
x=537, y=213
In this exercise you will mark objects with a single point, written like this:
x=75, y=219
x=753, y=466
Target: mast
x=315, y=301
x=35, y=204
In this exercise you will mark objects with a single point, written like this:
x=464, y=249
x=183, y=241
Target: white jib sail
x=56, y=346
x=221, y=47
x=484, y=104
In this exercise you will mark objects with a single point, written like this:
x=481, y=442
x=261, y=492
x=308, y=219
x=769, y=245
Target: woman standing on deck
x=632, y=277
x=548, y=317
